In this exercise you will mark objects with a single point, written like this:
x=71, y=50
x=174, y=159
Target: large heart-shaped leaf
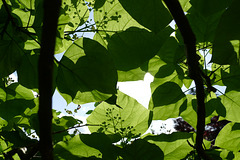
x=132, y=119
x=229, y=137
x=174, y=146
x=86, y=73
x=227, y=39
x=74, y=149
x=151, y=14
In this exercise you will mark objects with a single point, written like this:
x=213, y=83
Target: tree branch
x=50, y=20
x=193, y=66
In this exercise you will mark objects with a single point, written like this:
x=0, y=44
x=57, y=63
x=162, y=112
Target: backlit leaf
x=174, y=146
x=229, y=138
x=231, y=102
x=86, y=73
x=226, y=42
x=151, y=14
x=133, y=119
x=74, y=149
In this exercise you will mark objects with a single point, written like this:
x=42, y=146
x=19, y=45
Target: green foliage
x=86, y=70
x=74, y=149
x=131, y=38
x=230, y=142
x=174, y=146
x=131, y=120
x=156, y=17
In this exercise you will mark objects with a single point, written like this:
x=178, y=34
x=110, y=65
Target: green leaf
x=10, y=56
x=17, y=137
x=226, y=42
x=102, y=143
x=3, y=95
x=231, y=102
x=131, y=48
x=138, y=57
x=207, y=8
x=230, y=77
x=185, y=5
x=89, y=112
x=228, y=138
x=3, y=123
x=164, y=108
x=171, y=51
x=61, y=42
x=64, y=122
x=204, y=27
x=12, y=108
x=28, y=71
x=220, y=154
x=214, y=107
x=17, y=91
x=74, y=149
x=25, y=19
x=61, y=125
x=174, y=146
x=151, y=14
x=86, y=73
x=165, y=65
x=189, y=112
x=141, y=149
x=26, y=118
x=23, y=4
x=132, y=120
x=77, y=11
x=131, y=75
x=112, y=17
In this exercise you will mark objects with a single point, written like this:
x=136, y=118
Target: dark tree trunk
x=193, y=67
x=50, y=20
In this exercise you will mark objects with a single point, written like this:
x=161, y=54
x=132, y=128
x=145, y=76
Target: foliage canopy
x=132, y=37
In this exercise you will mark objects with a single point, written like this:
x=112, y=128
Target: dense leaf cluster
x=131, y=38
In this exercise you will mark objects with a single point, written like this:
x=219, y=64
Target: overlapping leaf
x=131, y=48
x=189, y=111
x=74, y=149
x=17, y=100
x=141, y=148
x=101, y=142
x=151, y=14
x=86, y=73
x=133, y=119
x=10, y=56
x=174, y=146
x=110, y=16
x=204, y=27
x=77, y=11
x=207, y=8
x=229, y=138
x=231, y=102
x=226, y=42
x=166, y=101
x=167, y=81
x=230, y=77
x=28, y=71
